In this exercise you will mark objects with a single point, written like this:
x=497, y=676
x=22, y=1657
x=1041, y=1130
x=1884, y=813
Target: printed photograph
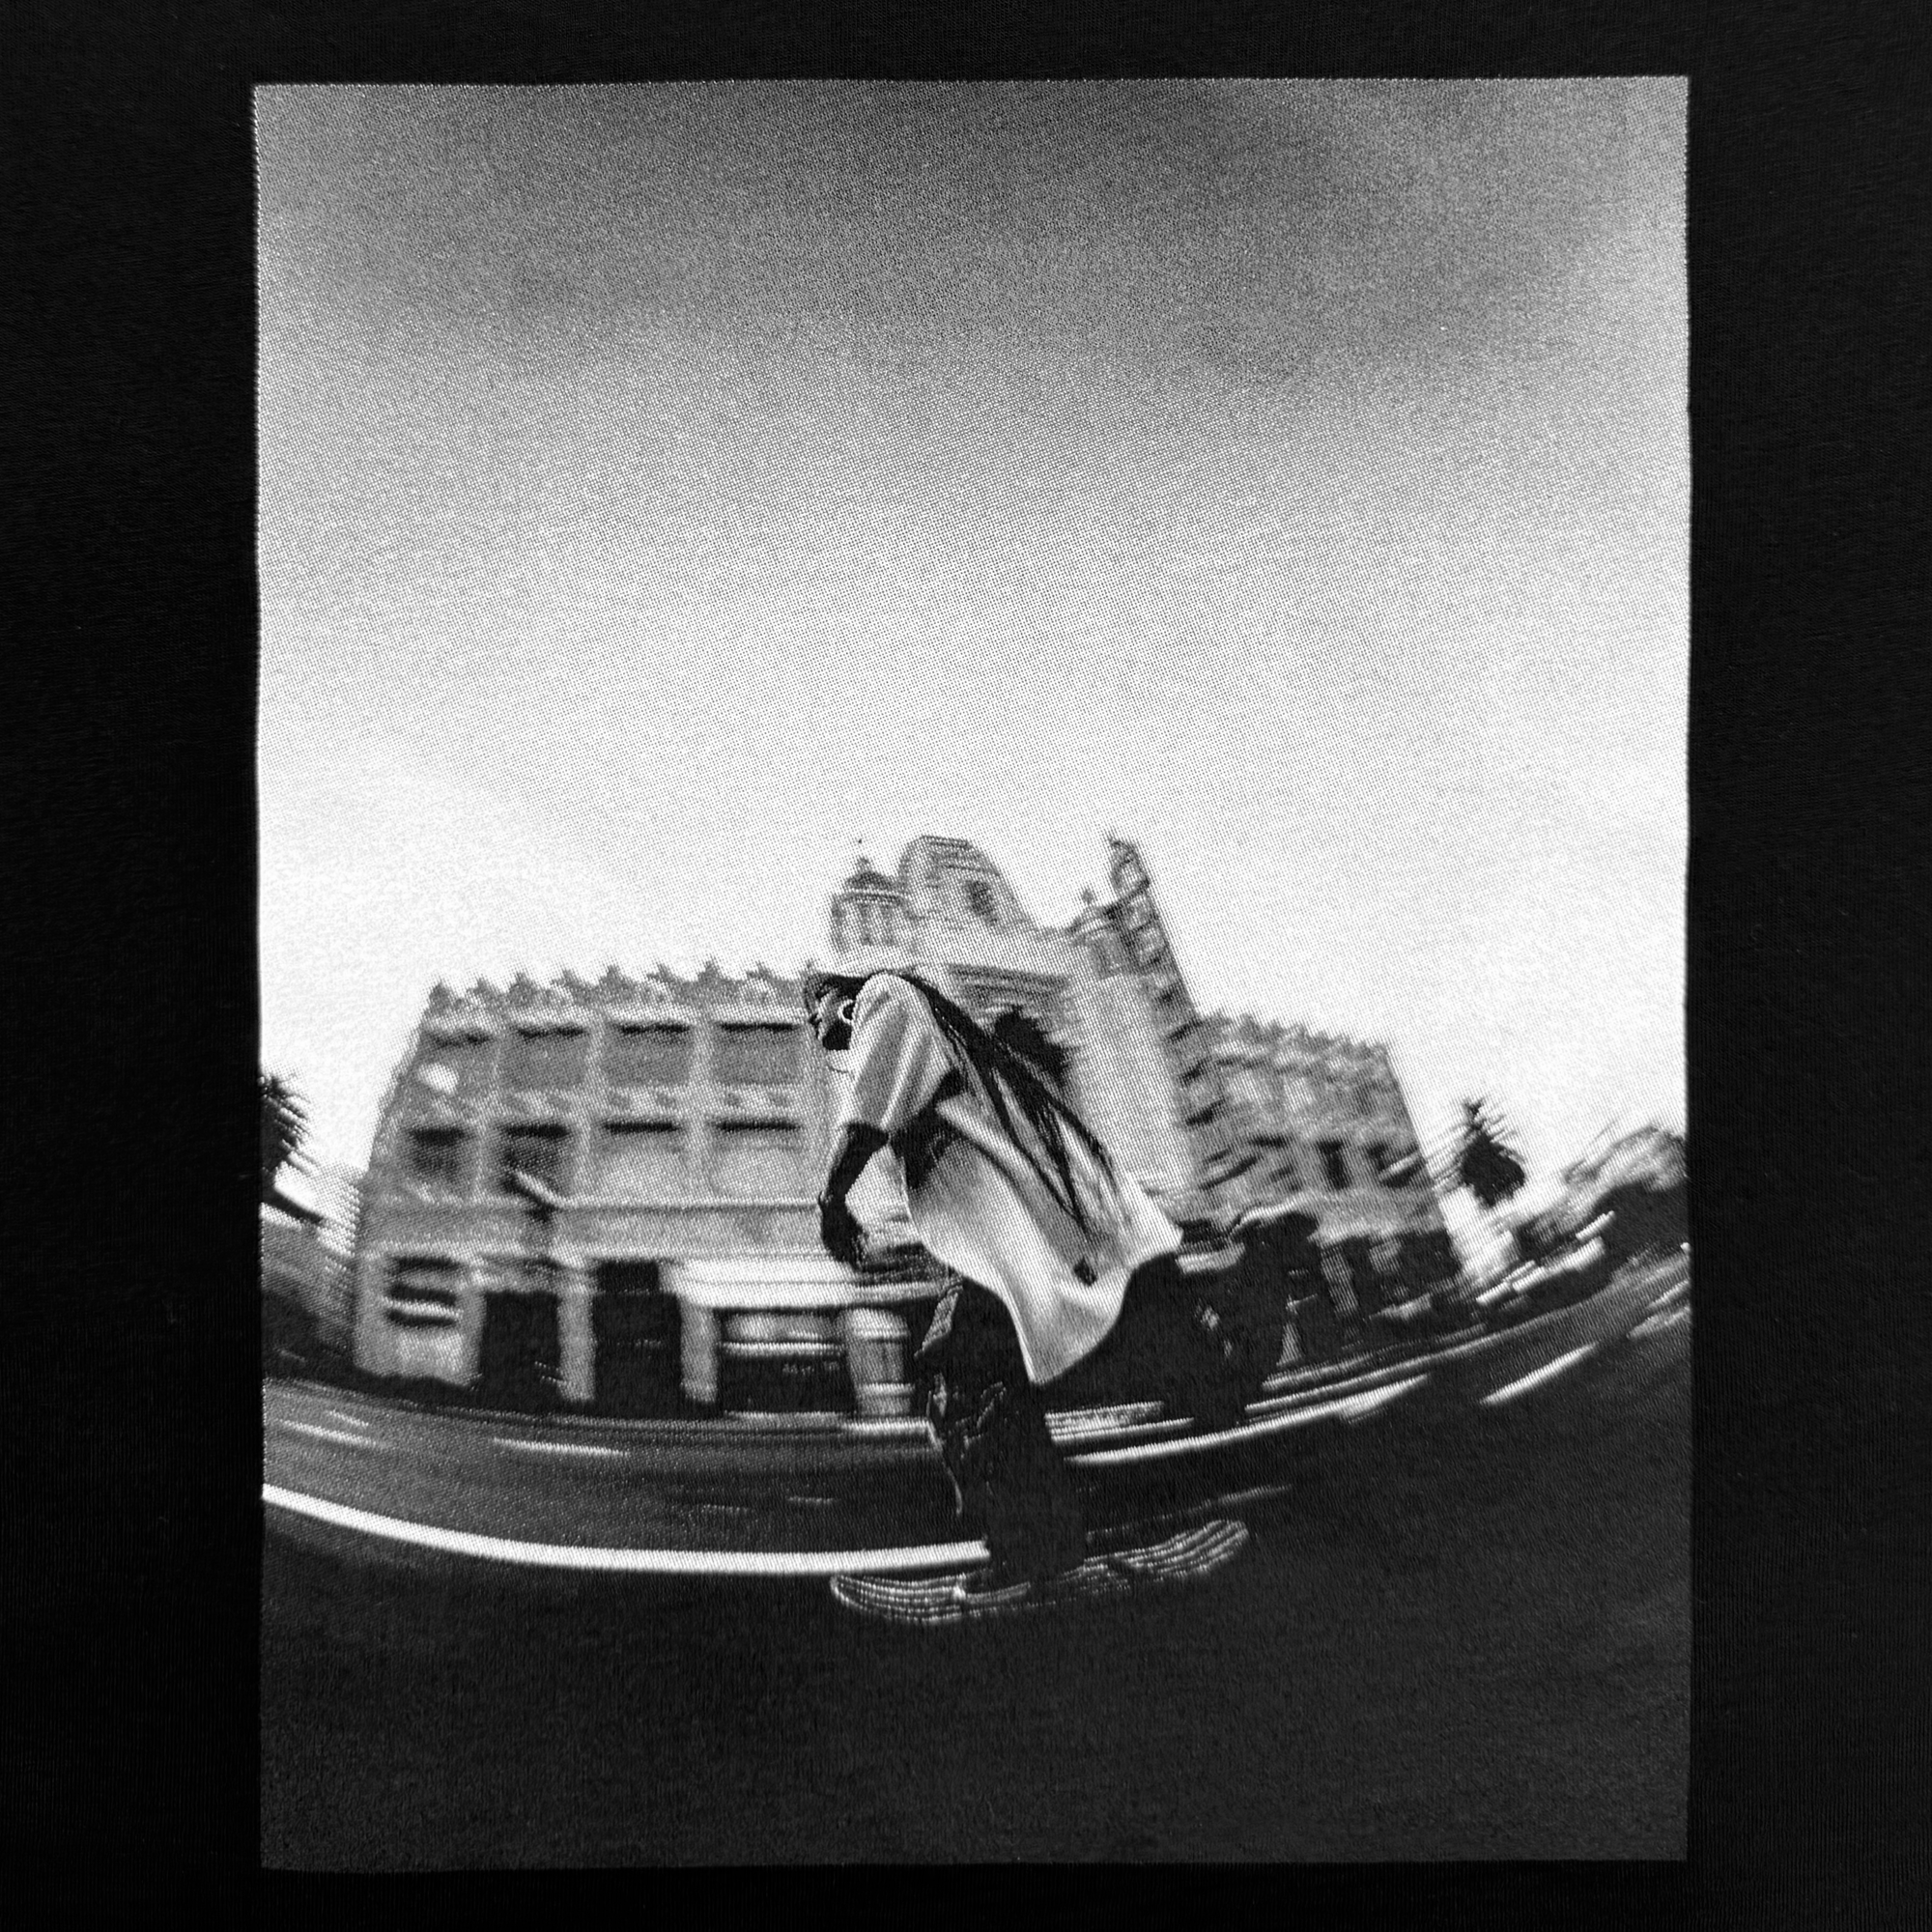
x=973, y=823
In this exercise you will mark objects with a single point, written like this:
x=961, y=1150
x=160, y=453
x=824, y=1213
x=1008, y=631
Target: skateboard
x=1112, y=1569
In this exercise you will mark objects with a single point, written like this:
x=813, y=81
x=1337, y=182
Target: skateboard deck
x=1185, y=1557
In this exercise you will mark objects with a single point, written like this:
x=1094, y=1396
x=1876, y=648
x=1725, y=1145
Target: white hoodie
x=976, y=1202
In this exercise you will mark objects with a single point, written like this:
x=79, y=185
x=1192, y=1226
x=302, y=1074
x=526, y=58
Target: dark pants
x=1013, y=1486
x=990, y=1419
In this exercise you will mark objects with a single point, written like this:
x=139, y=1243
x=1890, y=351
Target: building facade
x=667, y=1260
x=307, y=1285
x=1641, y=1181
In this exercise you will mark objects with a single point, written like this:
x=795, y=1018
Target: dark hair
x=1009, y=1076
x=817, y=984
x=1020, y=1033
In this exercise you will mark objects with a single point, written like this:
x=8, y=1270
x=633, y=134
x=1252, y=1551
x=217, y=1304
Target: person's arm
x=858, y=1141
x=900, y=1065
x=839, y=1226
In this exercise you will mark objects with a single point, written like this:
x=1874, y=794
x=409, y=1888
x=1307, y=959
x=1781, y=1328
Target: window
x=980, y=898
x=1335, y=1165
x=877, y=922
x=1394, y=1168
x=756, y=1056
x=648, y=1056
x=547, y=1059
x=439, y=1158
x=643, y=1161
x=1288, y=1171
x=759, y=1163
x=468, y=1060
x=424, y=1292
x=1257, y=1090
x=541, y=1152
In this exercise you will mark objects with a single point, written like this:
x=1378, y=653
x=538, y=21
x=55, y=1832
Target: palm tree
x=1486, y=1164
x=288, y=1322
x=284, y=1135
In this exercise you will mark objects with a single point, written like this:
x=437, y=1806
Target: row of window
x=1336, y=1168
x=653, y=1158
x=867, y=923
x=642, y=1056
x=1262, y=1091
x=647, y=1159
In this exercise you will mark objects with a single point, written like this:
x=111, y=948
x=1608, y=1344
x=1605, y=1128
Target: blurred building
x=1640, y=1181
x=338, y=1198
x=307, y=1260
x=1648, y=1157
x=307, y=1285
x=667, y=1259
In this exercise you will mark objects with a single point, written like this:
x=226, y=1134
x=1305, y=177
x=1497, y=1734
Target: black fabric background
x=130, y=840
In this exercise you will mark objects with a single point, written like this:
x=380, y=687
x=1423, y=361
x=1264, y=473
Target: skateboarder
x=1068, y=1289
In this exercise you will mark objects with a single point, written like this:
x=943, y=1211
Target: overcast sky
x=662, y=487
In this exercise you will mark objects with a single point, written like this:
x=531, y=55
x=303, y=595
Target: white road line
x=1537, y=1376
x=634, y=1562
x=331, y=1434
x=1244, y=1498
x=353, y=1421
x=1353, y=1409
x=554, y=1448
x=1142, y=1432
x=1349, y=1388
x=1115, y=1415
x=1356, y=1407
x=1655, y=1324
x=1463, y=1352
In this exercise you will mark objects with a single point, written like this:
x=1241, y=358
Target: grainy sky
x=662, y=487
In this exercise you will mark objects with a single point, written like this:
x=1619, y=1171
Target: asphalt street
x=1468, y=1643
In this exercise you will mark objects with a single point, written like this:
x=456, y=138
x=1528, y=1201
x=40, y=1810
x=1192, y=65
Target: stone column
x=576, y=1347
x=1341, y=1289
x=372, y=1350
x=875, y=1354
x=698, y=1327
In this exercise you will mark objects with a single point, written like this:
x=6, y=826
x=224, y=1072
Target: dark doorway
x=520, y=1352
x=1363, y=1278
x=1436, y=1258
x=1415, y=1274
x=635, y=1339
x=1317, y=1328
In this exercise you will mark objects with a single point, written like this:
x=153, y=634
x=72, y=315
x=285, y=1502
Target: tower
x=869, y=923
x=1221, y=1160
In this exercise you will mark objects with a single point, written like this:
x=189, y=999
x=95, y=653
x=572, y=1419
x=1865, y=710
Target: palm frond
x=284, y=1130
x=1485, y=1163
